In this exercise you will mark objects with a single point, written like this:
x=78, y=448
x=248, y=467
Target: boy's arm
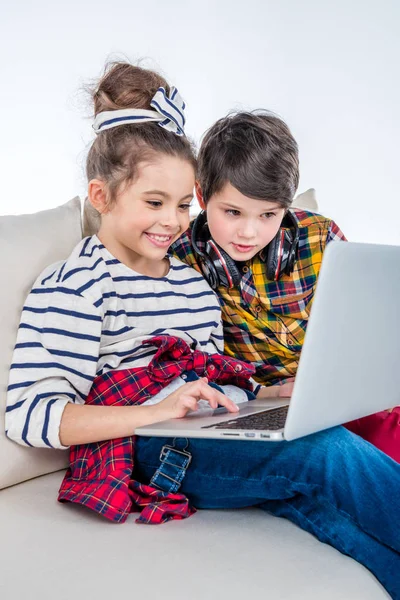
x=334, y=233
x=279, y=390
x=285, y=388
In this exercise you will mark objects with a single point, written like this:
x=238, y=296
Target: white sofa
x=60, y=551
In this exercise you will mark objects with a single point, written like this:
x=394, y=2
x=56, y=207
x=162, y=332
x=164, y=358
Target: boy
x=264, y=259
x=261, y=257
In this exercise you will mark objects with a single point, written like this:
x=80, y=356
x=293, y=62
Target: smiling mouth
x=159, y=240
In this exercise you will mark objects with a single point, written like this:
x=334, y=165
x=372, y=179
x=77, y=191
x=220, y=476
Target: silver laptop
x=350, y=362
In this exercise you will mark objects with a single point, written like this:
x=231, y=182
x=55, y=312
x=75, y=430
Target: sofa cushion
x=28, y=243
x=91, y=217
x=306, y=200
x=65, y=550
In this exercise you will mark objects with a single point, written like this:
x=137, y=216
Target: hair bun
x=126, y=86
x=117, y=153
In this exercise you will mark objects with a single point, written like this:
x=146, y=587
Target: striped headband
x=168, y=113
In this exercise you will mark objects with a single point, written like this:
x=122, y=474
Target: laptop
x=349, y=365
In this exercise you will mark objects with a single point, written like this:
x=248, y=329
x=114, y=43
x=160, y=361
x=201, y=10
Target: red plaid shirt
x=100, y=474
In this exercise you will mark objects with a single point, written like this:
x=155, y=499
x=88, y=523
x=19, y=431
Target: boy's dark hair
x=255, y=152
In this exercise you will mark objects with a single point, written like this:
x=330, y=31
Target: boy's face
x=242, y=226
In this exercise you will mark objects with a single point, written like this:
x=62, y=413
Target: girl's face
x=149, y=214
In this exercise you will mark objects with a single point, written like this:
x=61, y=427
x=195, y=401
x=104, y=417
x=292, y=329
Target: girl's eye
x=154, y=203
x=233, y=212
x=185, y=207
x=268, y=215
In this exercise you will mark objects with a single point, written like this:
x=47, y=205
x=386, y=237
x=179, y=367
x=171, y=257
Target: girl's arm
x=216, y=342
x=54, y=362
x=85, y=424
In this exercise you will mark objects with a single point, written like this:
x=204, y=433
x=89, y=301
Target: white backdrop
x=330, y=69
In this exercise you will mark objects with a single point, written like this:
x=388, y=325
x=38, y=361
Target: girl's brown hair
x=116, y=153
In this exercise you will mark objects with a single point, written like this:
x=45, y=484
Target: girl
x=120, y=335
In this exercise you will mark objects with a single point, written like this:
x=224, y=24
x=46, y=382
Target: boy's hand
x=284, y=390
x=180, y=402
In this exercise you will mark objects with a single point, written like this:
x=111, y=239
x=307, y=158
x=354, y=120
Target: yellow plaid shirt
x=265, y=321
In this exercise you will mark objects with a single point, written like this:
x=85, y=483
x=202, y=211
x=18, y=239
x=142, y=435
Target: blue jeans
x=332, y=484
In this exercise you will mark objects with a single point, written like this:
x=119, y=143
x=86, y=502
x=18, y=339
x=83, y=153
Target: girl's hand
x=180, y=402
x=284, y=390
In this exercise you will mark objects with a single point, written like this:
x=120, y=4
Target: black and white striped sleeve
x=54, y=363
x=217, y=337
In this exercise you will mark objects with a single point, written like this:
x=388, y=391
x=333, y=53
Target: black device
x=219, y=269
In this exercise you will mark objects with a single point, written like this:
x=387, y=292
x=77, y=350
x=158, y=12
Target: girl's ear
x=199, y=195
x=97, y=195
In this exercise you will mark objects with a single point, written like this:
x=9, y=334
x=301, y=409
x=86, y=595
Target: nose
x=169, y=219
x=247, y=229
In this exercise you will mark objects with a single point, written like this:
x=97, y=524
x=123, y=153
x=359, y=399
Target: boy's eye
x=233, y=212
x=268, y=215
x=154, y=203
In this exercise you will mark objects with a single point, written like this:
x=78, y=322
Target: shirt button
x=258, y=308
x=245, y=269
x=238, y=368
x=211, y=368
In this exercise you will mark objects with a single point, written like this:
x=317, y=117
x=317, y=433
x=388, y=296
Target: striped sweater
x=88, y=315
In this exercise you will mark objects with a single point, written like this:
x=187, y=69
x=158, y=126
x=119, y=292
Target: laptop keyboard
x=272, y=419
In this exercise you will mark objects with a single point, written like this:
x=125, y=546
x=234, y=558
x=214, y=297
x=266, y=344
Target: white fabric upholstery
x=28, y=243
x=58, y=552
x=91, y=219
x=306, y=200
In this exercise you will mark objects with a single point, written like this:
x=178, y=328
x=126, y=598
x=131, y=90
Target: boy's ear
x=199, y=195
x=97, y=195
